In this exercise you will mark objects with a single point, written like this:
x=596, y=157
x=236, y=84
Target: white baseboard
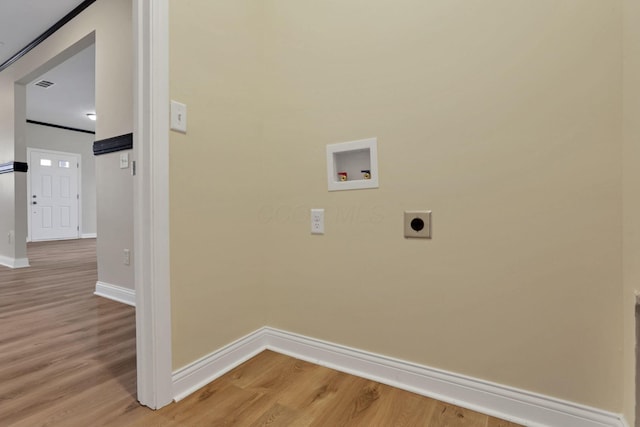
x=116, y=293
x=14, y=262
x=201, y=372
x=520, y=406
x=88, y=235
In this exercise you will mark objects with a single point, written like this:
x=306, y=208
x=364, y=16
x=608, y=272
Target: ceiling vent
x=44, y=83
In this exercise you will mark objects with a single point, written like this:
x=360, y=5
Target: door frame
x=78, y=179
x=151, y=202
x=151, y=193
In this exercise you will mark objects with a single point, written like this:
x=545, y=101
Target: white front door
x=54, y=197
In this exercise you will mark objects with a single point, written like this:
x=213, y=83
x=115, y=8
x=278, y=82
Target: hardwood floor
x=64, y=353
x=276, y=390
x=67, y=358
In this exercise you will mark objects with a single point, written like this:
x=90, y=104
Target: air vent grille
x=44, y=83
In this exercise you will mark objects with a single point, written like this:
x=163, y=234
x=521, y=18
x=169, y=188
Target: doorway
x=58, y=99
x=42, y=157
x=53, y=195
x=150, y=92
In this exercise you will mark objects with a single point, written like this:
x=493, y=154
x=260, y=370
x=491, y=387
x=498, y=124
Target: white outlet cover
x=178, y=117
x=317, y=221
x=417, y=224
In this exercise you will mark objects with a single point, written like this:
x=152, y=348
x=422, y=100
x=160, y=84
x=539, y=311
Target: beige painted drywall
x=108, y=24
x=50, y=138
x=114, y=69
x=503, y=118
x=631, y=186
x=217, y=246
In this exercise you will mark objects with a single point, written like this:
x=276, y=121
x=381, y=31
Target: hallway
x=67, y=357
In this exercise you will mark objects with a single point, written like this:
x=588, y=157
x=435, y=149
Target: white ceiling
x=21, y=21
x=73, y=94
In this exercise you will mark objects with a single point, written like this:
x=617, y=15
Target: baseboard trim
x=201, y=372
x=14, y=262
x=505, y=402
x=89, y=235
x=116, y=293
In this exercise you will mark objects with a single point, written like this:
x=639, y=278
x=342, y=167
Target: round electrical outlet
x=417, y=224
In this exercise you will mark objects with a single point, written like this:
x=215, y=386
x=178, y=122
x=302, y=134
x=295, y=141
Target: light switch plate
x=124, y=160
x=178, y=117
x=417, y=224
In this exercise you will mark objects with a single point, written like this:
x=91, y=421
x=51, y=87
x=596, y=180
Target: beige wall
x=631, y=185
x=108, y=24
x=217, y=246
x=502, y=118
x=114, y=69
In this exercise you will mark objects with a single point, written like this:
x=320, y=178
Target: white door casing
x=54, y=192
x=151, y=202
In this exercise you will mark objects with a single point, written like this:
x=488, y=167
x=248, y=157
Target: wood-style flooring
x=276, y=390
x=67, y=358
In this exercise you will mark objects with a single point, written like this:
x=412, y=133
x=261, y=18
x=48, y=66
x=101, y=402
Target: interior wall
x=216, y=176
x=114, y=108
x=108, y=24
x=115, y=212
x=631, y=186
x=502, y=118
x=7, y=216
x=19, y=230
x=49, y=138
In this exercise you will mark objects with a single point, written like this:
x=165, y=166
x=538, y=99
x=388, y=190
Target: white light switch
x=317, y=221
x=178, y=117
x=124, y=160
